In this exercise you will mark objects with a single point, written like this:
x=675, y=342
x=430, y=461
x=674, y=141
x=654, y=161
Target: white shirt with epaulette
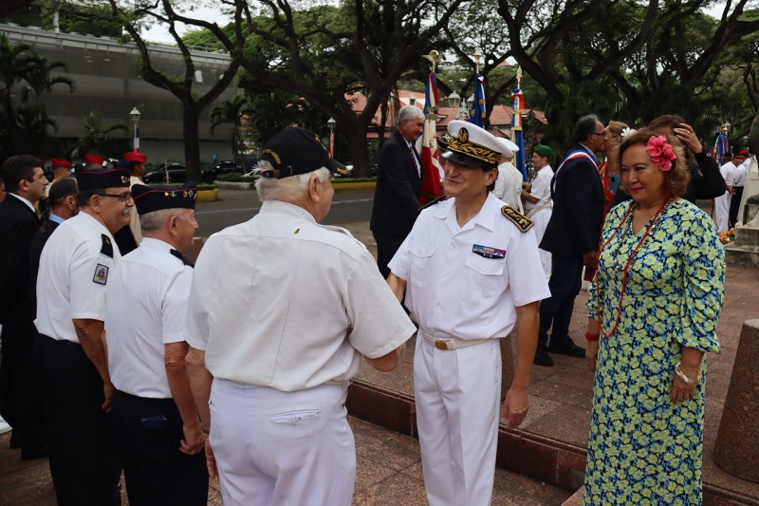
x=466, y=282
x=75, y=267
x=146, y=307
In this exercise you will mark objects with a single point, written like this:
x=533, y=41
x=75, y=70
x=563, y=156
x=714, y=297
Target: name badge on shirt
x=488, y=252
x=101, y=274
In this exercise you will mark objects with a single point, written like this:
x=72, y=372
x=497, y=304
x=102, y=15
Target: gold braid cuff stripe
x=475, y=151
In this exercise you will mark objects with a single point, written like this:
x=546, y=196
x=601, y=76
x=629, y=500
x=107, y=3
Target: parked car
x=210, y=173
x=171, y=173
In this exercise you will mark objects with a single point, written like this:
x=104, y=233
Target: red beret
x=60, y=163
x=93, y=159
x=135, y=156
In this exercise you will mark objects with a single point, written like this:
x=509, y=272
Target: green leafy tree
x=134, y=16
x=323, y=54
x=25, y=78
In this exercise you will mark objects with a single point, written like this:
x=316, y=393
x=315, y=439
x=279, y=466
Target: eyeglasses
x=123, y=197
x=596, y=133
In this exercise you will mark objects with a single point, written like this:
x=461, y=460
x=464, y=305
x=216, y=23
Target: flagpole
x=517, y=133
x=432, y=173
x=478, y=111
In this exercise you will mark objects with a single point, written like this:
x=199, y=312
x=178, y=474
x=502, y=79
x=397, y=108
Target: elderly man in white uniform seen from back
x=280, y=312
x=471, y=273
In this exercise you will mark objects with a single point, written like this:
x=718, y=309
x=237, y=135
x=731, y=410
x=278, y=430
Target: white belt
x=452, y=343
x=535, y=211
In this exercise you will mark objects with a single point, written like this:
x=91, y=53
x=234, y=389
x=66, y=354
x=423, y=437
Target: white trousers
x=457, y=402
x=282, y=448
x=541, y=219
x=722, y=211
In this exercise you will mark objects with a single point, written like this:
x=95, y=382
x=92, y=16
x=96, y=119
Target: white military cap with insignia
x=472, y=145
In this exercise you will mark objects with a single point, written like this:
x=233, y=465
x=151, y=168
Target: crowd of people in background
x=119, y=355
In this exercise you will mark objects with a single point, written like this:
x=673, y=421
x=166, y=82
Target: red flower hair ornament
x=661, y=152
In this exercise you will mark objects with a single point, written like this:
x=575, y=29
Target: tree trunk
x=356, y=137
x=191, y=138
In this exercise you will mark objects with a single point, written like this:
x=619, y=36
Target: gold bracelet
x=686, y=379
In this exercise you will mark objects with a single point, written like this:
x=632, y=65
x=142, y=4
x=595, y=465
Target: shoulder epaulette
x=522, y=222
x=183, y=258
x=106, y=248
x=431, y=203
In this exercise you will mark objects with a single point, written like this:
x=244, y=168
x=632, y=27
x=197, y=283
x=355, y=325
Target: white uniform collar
x=282, y=207
x=485, y=218
x=152, y=242
x=24, y=200
x=94, y=222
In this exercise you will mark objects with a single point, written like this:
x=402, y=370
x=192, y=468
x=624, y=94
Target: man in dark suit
x=63, y=205
x=399, y=181
x=571, y=236
x=25, y=184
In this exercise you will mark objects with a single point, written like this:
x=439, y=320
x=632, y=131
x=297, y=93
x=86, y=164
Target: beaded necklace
x=649, y=227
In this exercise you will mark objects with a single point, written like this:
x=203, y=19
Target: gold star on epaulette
x=522, y=222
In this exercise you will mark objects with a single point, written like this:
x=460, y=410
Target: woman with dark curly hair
x=654, y=306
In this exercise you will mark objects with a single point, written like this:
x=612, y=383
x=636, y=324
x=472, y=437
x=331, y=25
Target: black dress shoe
x=567, y=348
x=542, y=358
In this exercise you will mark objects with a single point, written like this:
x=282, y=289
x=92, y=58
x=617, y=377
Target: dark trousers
x=735, y=203
x=83, y=458
x=556, y=311
x=149, y=432
x=387, y=245
x=20, y=399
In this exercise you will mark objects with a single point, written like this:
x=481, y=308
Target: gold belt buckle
x=441, y=345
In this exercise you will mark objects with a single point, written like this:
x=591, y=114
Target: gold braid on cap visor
x=475, y=151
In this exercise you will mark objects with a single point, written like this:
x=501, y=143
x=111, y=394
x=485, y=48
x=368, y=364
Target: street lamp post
x=331, y=123
x=135, y=115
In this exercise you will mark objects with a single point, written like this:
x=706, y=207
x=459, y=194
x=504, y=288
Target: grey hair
x=409, y=113
x=287, y=188
x=153, y=221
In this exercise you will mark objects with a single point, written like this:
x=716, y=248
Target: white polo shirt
x=74, y=270
x=465, y=282
x=283, y=302
x=146, y=306
x=541, y=188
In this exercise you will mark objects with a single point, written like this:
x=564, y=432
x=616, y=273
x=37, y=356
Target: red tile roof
x=500, y=117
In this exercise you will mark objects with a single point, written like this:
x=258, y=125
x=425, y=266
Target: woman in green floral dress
x=654, y=306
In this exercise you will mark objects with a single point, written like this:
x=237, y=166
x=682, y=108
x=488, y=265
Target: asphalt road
x=237, y=206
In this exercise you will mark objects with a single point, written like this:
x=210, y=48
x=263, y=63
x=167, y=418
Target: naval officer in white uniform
x=471, y=272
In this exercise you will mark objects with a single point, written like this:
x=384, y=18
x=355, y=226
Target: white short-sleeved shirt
x=465, y=282
x=75, y=268
x=283, y=302
x=728, y=172
x=146, y=307
x=741, y=173
x=508, y=185
x=541, y=188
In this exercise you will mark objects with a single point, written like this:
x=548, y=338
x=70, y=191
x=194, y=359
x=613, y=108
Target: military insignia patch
x=463, y=135
x=522, y=222
x=488, y=252
x=101, y=274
